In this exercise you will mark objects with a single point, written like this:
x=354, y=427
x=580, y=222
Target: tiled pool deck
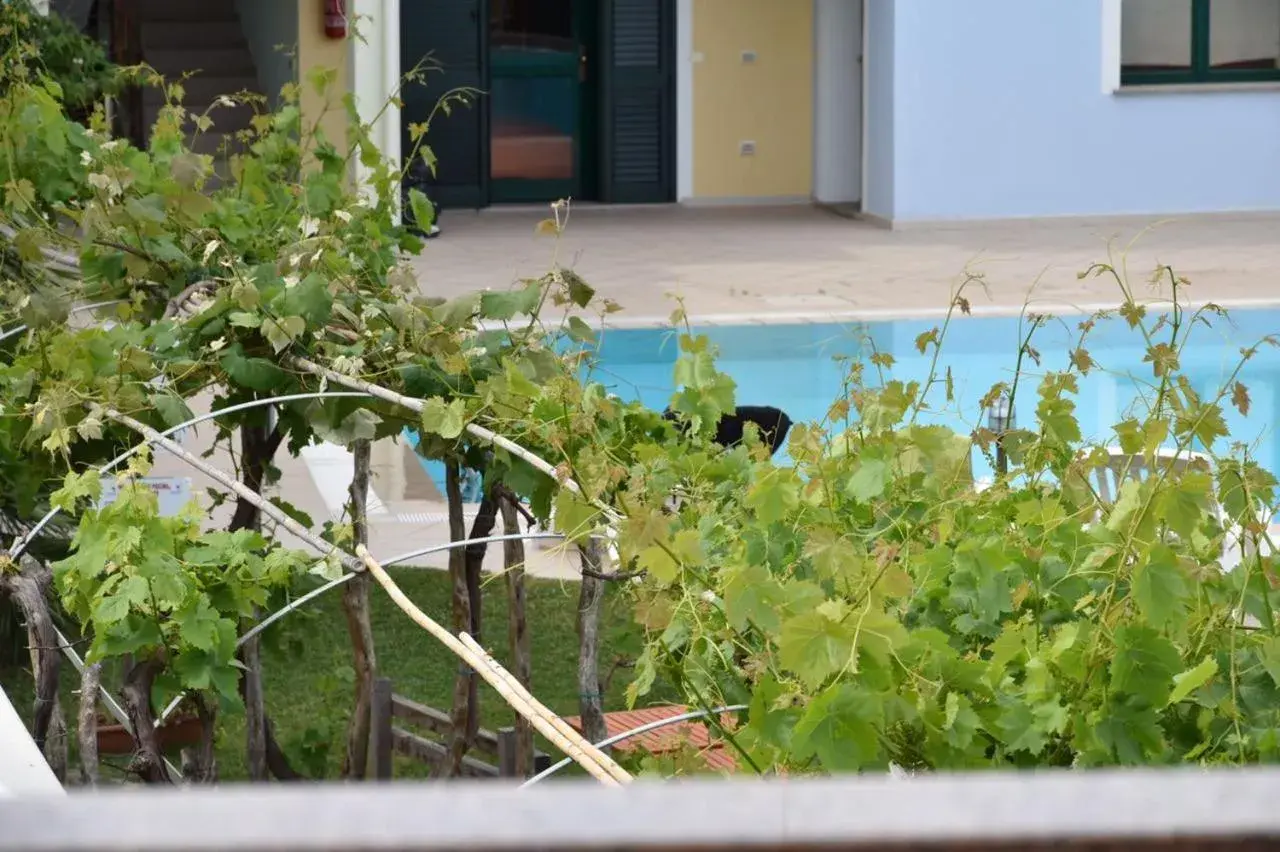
x=795, y=264
x=790, y=264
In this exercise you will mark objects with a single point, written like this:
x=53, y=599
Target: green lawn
x=308, y=685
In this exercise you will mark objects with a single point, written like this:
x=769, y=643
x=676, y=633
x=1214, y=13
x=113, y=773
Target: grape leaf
x=751, y=596
x=574, y=516
x=446, y=419
x=110, y=610
x=254, y=373
x=1160, y=588
x=1192, y=679
x=1240, y=398
x=1269, y=656
x=424, y=215
x=171, y=407
x=1144, y=664
x=657, y=562
x=773, y=495
x=512, y=303
x=868, y=480
x=815, y=647
x=841, y=726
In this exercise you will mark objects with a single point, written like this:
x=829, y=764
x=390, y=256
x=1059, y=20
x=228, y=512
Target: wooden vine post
x=253, y=466
x=355, y=605
x=87, y=723
x=590, y=602
x=481, y=527
x=517, y=627
x=451, y=766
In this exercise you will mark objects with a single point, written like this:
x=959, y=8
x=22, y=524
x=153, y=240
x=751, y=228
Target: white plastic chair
x=1122, y=466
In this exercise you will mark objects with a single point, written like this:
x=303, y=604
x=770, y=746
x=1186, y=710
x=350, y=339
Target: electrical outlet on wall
x=747, y=148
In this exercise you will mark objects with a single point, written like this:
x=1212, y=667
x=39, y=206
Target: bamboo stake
x=560, y=724
x=569, y=741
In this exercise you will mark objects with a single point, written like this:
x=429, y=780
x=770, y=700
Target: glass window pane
x=1244, y=34
x=537, y=25
x=533, y=89
x=532, y=120
x=1155, y=35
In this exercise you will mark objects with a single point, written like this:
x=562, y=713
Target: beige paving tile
x=760, y=261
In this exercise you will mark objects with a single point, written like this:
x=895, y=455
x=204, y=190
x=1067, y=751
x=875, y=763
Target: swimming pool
x=796, y=367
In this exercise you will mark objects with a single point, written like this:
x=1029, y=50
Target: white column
x=375, y=71
x=837, y=101
x=685, y=60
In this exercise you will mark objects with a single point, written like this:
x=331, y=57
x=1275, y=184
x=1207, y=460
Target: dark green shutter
x=638, y=115
x=454, y=34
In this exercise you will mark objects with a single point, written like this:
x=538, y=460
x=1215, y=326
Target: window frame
x=1200, y=72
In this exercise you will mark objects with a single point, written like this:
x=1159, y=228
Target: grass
x=308, y=676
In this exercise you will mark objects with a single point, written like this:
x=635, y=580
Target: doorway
x=543, y=89
x=577, y=99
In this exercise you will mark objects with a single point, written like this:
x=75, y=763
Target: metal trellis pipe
x=635, y=732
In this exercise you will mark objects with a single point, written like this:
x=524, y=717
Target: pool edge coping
x=815, y=317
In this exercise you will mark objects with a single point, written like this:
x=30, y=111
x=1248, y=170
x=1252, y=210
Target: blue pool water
x=796, y=368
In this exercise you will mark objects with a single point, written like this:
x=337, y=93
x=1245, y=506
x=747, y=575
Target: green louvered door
x=453, y=36
x=638, y=101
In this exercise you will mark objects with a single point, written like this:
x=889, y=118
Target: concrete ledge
x=1149, y=809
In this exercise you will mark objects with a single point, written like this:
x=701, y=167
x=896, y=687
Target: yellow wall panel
x=768, y=101
x=317, y=49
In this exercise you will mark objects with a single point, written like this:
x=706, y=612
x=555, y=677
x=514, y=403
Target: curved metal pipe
x=22, y=544
x=333, y=584
x=25, y=541
x=18, y=329
x=642, y=729
x=403, y=557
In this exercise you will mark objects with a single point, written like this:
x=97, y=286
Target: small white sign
x=172, y=492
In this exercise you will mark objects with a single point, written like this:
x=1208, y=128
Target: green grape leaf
x=194, y=668
x=774, y=495
x=254, y=373
x=1161, y=588
x=424, y=215
x=815, y=647
x=751, y=596
x=657, y=562
x=1192, y=679
x=446, y=419
x=574, y=517
x=110, y=609
x=1144, y=664
x=512, y=303
x=868, y=481
x=1269, y=656
x=173, y=410
x=841, y=727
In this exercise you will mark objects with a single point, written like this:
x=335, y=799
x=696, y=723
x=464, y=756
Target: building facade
x=910, y=111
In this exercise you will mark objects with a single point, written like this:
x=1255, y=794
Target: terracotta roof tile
x=670, y=738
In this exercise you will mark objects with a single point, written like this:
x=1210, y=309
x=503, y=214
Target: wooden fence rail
x=389, y=739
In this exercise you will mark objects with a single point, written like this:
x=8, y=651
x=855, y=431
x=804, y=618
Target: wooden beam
x=420, y=748
x=438, y=722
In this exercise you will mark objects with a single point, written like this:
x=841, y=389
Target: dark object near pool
x=773, y=424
